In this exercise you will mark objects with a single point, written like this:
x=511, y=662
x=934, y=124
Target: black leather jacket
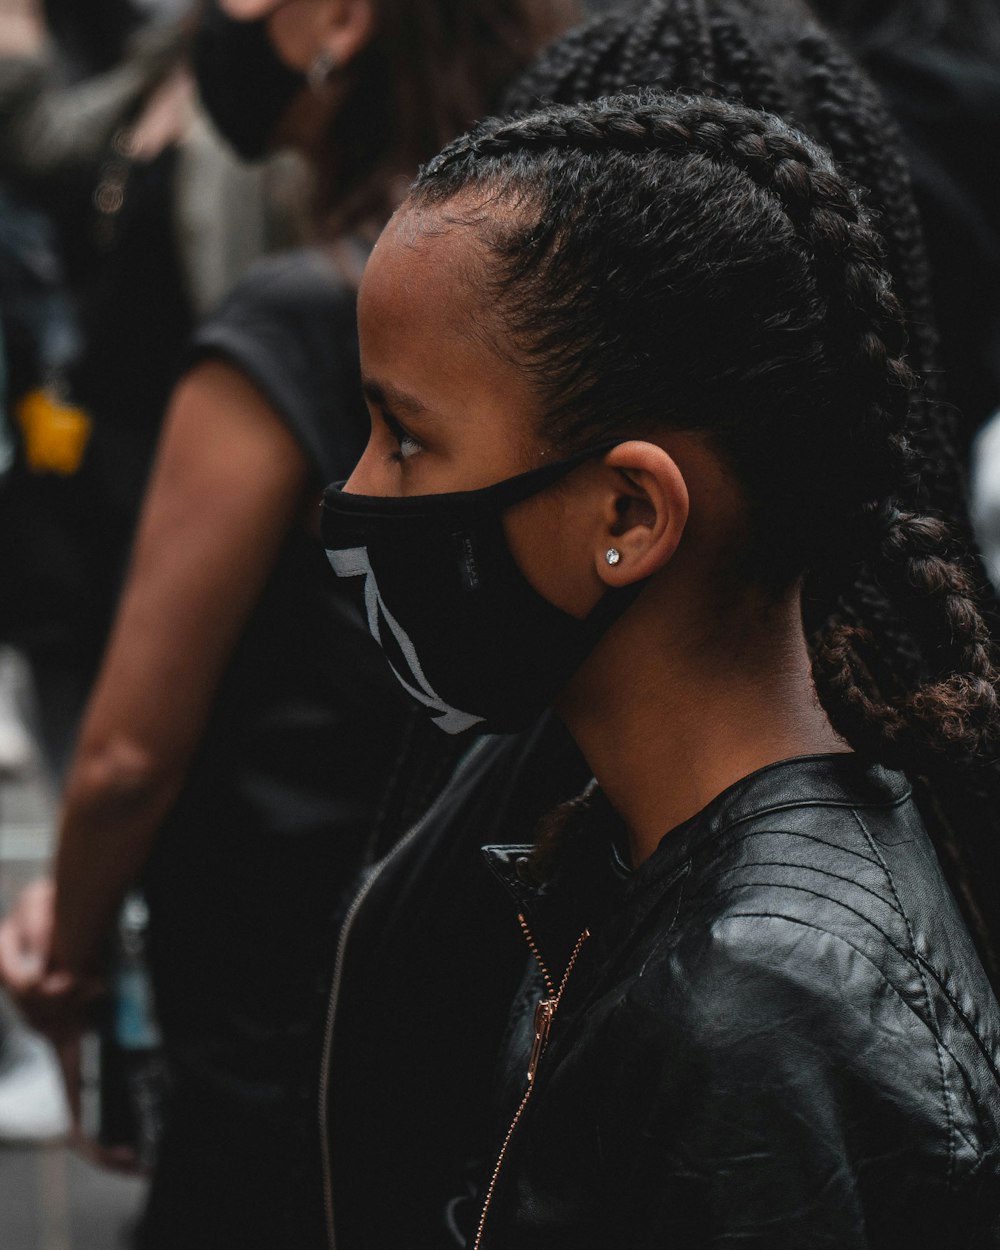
x=777, y=1034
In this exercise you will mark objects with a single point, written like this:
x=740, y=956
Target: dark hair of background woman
x=874, y=641
x=428, y=72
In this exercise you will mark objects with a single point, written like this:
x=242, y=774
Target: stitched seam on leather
x=801, y=889
x=822, y=872
x=981, y=1044
x=797, y=833
x=792, y=804
x=945, y=1092
x=806, y=924
x=912, y=961
x=680, y=878
x=721, y=849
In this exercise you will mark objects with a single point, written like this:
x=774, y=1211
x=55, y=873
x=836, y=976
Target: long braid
x=774, y=55
x=953, y=712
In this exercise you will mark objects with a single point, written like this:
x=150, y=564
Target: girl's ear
x=347, y=27
x=646, y=511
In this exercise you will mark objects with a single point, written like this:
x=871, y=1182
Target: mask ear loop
x=500, y=495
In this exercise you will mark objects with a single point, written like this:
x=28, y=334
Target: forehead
x=427, y=330
x=422, y=271
x=421, y=309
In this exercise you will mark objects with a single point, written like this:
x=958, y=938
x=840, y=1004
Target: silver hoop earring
x=612, y=555
x=321, y=70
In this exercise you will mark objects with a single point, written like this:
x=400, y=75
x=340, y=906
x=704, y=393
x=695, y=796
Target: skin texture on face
x=702, y=668
x=301, y=29
x=447, y=413
x=451, y=413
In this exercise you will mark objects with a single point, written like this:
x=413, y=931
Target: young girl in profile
x=638, y=386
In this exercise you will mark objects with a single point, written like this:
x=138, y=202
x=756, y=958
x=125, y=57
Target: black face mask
x=463, y=630
x=244, y=85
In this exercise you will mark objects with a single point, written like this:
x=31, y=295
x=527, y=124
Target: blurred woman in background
x=243, y=749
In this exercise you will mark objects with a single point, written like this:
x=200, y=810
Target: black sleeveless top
x=282, y=801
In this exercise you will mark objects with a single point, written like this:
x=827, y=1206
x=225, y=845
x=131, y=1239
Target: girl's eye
x=408, y=446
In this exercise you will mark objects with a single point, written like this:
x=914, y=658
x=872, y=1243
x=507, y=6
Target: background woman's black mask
x=244, y=85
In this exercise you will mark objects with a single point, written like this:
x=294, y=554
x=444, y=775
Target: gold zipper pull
x=544, y=1011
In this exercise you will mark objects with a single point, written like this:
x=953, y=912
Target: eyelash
x=407, y=445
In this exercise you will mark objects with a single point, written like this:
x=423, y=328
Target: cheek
x=552, y=547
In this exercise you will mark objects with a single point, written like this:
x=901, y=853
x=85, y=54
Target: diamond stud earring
x=612, y=555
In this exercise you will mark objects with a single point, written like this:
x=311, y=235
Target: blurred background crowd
x=188, y=193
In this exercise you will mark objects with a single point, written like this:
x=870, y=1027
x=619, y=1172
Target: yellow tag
x=55, y=434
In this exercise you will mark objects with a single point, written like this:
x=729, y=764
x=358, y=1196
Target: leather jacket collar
x=583, y=889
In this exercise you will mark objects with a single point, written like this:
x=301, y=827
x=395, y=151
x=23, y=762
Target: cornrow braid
x=774, y=54
x=849, y=459
x=845, y=252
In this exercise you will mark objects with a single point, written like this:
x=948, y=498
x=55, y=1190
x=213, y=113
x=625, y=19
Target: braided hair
x=679, y=261
x=774, y=54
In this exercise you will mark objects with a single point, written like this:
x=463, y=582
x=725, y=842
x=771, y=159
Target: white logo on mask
x=354, y=562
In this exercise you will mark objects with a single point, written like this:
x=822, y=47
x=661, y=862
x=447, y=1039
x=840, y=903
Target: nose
x=365, y=477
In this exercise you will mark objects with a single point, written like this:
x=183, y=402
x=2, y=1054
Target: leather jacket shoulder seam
x=791, y=804
x=823, y=872
x=981, y=1044
x=720, y=893
x=940, y=1047
x=946, y=1096
x=799, y=833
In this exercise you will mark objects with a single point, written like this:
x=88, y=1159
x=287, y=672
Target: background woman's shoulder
x=289, y=327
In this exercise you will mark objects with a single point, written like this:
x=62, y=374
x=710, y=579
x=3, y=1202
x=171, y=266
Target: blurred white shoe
x=33, y=1106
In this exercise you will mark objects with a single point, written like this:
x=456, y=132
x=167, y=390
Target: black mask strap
x=487, y=499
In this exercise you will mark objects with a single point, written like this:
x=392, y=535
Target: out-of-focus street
x=49, y=1198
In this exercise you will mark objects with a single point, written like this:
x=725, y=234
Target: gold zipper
x=545, y=1012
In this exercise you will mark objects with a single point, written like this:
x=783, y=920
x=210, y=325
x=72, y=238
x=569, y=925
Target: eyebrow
x=384, y=395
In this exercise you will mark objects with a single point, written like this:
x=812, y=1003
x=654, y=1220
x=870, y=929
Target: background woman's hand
x=54, y=1000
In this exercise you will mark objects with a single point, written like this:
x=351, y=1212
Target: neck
x=665, y=737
